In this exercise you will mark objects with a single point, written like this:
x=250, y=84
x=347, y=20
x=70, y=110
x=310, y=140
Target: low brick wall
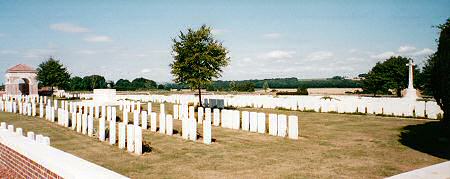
x=27, y=158
x=22, y=166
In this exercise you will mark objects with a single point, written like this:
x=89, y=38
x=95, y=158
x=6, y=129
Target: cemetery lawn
x=330, y=146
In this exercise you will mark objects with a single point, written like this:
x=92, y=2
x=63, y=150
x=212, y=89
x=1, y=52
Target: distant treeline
x=88, y=83
x=335, y=82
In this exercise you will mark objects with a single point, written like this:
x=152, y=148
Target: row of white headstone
x=279, y=124
x=83, y=121
x=41, y=139
x=165, y=121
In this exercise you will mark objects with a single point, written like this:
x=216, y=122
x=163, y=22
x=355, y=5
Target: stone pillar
x=19, y=131
x=191, y=112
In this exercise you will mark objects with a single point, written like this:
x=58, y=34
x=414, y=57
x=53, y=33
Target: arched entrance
x=21, y=80
x=24, y=86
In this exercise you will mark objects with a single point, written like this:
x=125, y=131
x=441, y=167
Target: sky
x=265, y=39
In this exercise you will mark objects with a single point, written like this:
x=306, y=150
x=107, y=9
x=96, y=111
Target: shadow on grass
x=432, y=138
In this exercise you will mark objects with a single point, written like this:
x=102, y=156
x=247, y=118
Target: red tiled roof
x=21, y=68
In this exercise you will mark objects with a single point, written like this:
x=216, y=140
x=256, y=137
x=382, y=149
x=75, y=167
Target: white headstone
x=245, y=120
x=122, y=135
x=207, y=132
x=130, y=137
x=112, y=132
x=193, y=129
x=162, y=123
x=293, y=127
x=101, y=128
x=138, y=140
x=261, y=123
x=282, y=125
x=253, y=122
x=273, y=124
x=153, y=118
x=169, y=125
x=144, y=118
x=90, y=125
x=216, y=118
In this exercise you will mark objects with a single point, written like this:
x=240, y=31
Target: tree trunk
x=399, y=92
x=53, y=97
x=200, y=96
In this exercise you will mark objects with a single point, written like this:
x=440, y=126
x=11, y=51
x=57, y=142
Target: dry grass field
x=330, y=146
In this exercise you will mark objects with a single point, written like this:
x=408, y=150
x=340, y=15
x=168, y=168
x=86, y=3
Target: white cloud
x=219, y=31
x=68, y=27
x=145, y=70
x=247, y=59
x=320, y=55
x=406, y=49
x=384, y=55
x=87, y=52
x=272, y=35
x=39, y=53
x=423, y=52
x=8, y=52
x=278, y=54
x=98, y=38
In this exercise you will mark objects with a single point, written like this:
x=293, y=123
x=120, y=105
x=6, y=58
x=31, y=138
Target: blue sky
x=266, y=39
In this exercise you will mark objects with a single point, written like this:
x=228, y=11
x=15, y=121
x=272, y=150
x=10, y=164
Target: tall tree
x=143, y=84
x=437, y=71
x=94, y=82
x=265, y=86
x=76, y=83
x=198, y=58
x=52, y=73
x=390, y=74
x=123, y=85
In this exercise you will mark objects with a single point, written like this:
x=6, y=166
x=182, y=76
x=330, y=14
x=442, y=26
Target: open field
x=330, y=145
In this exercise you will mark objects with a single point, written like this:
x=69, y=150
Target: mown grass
x=330, y=146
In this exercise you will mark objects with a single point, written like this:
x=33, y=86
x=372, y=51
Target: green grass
x=330, y=146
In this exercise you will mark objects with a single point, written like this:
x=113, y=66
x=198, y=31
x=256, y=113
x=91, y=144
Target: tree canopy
x=52, y=73
x=389, y=74
x=198, y=58
x=437, y=71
